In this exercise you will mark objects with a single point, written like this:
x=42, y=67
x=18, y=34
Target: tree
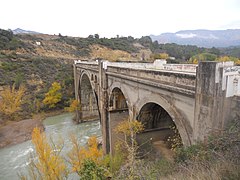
x=50, y=164
x=74, y=106
x=53, y=96
x=47, y=163
x=229, y=58
x=129, y=129
x=203, y=57
x=11, y=100
x=90, y=36
x=96, y=36
x=161, y=56
x=87, y=162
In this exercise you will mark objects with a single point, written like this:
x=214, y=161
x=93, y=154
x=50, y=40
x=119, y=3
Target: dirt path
x=161, y=147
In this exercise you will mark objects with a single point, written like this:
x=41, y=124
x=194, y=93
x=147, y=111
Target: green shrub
x=90, y=170
x=196, y=152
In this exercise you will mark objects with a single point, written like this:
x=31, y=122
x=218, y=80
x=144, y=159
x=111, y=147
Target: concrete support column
x=103, y=84
x=75, y=80
x=209, y=101
x=77, y=94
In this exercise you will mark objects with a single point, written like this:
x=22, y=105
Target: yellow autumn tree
x=11, y=100
x=223, y=58
x=53, y=96
x=229, y=58
x=49, y=165
x=129, y=129
x=160, y=56
x=87, y=162
x=74, y=106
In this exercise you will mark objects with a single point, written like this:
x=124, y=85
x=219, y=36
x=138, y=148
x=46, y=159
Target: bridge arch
x=178, y=119
x=88, y=97
x=90, y=78
x=117, y=85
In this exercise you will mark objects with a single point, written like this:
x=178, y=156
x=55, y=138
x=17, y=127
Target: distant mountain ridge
x=201, y=38
x=22, y=31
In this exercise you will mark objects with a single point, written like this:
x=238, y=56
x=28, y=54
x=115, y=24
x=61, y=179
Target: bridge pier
x=78, y=116
x=103, y=106
x=212, y=106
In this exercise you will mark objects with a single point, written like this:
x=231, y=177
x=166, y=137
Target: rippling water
x=15, y=158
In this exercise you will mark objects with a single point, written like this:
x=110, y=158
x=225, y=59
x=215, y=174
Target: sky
x=110, y=18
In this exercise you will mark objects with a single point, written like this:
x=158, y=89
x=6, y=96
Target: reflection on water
x=14, y=159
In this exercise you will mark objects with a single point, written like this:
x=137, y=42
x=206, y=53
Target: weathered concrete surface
x=213, y=109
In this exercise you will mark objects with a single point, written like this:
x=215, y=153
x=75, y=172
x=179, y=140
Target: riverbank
x=17, y=132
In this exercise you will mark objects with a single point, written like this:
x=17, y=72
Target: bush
x=197, y=152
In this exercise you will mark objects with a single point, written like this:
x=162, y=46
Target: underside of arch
x=88, y=99
x=159, y=128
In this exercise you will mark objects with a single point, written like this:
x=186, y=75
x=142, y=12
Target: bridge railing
x=156, y=65
x=88, y=65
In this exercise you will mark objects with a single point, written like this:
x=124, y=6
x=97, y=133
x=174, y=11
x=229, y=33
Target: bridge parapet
x=87, y=65
x=156, y=65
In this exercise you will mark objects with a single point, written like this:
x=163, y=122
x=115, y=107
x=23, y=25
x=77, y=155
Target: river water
x=14, y=159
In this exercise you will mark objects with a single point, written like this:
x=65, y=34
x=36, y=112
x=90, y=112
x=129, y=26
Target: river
x=14, y=159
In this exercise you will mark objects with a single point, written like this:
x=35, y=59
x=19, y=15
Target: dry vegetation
x=109, y=54
x=217, y=159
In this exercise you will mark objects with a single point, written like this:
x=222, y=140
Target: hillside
x=201, y=38
x=128, y=48
x=57, y=46
x=37, y=60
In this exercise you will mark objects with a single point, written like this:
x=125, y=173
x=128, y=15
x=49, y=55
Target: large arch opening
x=88, y=100
x=159, y=129
x=118, y=111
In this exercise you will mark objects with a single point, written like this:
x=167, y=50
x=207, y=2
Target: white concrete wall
x=231, y=81
x=156, y=65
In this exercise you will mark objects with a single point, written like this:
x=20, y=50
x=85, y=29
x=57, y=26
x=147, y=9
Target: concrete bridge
x=198, y=100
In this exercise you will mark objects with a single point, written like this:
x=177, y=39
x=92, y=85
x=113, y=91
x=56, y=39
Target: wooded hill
x=93, y=47
x=38, y=60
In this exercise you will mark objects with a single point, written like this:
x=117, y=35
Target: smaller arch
x=91, y=77
x=117, y=100
x=87, y=97
x=124, y=91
